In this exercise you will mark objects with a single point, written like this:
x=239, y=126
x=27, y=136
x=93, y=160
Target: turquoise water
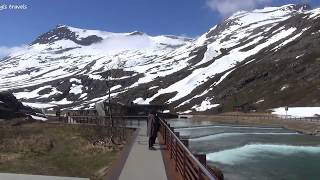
x=250, y=153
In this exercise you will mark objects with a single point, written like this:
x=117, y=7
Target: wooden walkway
x=143, y=163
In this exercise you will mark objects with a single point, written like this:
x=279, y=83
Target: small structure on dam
x=105, y=108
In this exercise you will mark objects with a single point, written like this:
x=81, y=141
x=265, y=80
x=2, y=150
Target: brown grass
x=54, y=149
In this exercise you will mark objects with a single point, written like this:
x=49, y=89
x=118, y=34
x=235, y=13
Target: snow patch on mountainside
x=80, y=66
x=76, y=89
x=201, y=75
x=205, y=105
x=39, y=105
x=65, y=58
x=31, y=94
x=39, y=118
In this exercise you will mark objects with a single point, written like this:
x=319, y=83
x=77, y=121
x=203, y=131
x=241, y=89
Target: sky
x=191, y=18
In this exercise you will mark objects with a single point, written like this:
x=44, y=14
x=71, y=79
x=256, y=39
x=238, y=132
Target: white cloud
x=227, y=7
x=117, y=44
x=126, y=43
x=4, y=50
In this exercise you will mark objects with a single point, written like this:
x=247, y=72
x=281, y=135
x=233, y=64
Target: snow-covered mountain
x=263, y=58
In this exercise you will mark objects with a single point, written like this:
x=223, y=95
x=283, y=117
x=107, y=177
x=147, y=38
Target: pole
x=110, y=109
x=109, y=99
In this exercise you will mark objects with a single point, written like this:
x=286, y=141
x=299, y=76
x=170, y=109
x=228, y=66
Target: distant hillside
x=262, y=59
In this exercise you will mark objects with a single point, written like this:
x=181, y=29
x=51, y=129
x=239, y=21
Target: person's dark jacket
x=153, y=125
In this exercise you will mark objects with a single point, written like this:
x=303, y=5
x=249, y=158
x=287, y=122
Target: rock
x=64, y=32
x=10, y=107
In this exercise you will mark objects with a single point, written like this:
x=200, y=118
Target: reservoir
x=253, y=152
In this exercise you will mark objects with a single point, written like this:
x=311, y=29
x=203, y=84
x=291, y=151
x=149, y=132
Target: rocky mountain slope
x=10, y=107
x=260, y=59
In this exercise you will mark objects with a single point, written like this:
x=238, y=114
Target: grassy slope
x=48, y=149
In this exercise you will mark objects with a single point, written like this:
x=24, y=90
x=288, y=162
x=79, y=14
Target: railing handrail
x=203, y=169
x=114, y=116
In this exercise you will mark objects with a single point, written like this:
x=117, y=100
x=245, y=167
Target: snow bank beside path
x=297, y=111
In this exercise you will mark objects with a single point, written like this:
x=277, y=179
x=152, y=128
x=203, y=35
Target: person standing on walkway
x=153, y=127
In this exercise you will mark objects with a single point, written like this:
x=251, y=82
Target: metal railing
x=118, y=121
x=186, y=164
x=115, y=128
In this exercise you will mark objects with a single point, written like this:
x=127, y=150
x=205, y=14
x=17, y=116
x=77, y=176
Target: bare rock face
x=63, y=32
x=10, y=107
x=9, y=100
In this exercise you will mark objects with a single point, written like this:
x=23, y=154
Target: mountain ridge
x=209, y=73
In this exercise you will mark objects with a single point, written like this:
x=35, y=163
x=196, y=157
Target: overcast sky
x=154, y=17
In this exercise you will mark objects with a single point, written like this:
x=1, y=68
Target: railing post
x=166, y=136
x=176, y=149
x=177, y=134
x=200, y=177
x=171, y=142
x=164, y=130
x=202, y=159
x=185, y=141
